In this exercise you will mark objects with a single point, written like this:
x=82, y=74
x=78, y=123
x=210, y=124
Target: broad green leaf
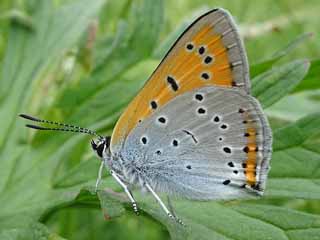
x=311, y=81
x=259, y=68
x=29, y=52
x=295, y=106
x=270, y=86
x=235, y=220
x=27, y=55
x=18, y=17
x=32, y=231
x=110, y=206
x=295, y=171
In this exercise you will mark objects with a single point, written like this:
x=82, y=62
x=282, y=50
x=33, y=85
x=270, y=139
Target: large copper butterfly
x=193, y=130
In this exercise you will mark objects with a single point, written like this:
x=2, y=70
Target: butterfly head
x=100, y=146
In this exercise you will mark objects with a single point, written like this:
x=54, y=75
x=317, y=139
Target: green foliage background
x=81, y=63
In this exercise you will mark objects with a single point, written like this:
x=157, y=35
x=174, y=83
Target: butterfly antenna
x=63, y=126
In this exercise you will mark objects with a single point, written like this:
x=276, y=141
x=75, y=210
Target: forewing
x=208, y=53
x=211, y=143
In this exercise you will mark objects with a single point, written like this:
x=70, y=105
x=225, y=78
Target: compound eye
x=100, y=149
x=93, y=145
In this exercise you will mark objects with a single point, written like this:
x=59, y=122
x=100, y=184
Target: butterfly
x=193, y=131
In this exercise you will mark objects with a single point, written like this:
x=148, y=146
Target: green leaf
x=311, y=81
x=259, y=68
x=110, y=205
x=29, y=53
x=295, y=163
x=270, y=86
x=31, y=231
x=235, y=220
x=18, y=17
x=295, y=106
x=27, y=56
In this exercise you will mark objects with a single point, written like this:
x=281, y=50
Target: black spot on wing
x=201, y=50
x=230, y=164
x=162, y=120
x=205, y=76
x=198, y=97
x=189, y=46
x=208, y=59
x=227, y=150
x=144, y=140
x=224, y=126
x=153, y=104
x=201, y=110
x=226, y=182
x=173, y=83
x=216, y=119
x=175, y=143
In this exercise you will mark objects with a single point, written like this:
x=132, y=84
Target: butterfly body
x=194, y=130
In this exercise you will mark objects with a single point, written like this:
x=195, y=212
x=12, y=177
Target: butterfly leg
x=125, y=188
x=99, y=176
x=170, y=215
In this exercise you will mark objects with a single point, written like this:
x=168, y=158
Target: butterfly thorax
x=127, y=170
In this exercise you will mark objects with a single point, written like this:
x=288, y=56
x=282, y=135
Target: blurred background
x=81, y=63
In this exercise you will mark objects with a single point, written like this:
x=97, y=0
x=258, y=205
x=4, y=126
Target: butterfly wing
x=208, y=53
x=210, y=143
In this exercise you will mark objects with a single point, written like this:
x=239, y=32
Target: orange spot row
x=251, y=161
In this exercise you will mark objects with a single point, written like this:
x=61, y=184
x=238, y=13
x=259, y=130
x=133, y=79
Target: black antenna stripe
x=52, y=122
x=55, y=129
x=68, y=127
